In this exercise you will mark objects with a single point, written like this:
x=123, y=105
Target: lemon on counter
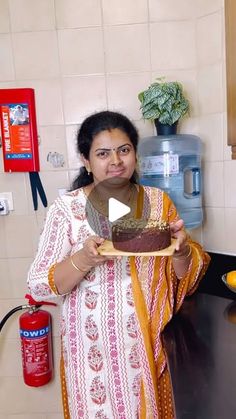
x=231, y=279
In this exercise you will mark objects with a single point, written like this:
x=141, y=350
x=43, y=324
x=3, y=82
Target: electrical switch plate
x=9, y=198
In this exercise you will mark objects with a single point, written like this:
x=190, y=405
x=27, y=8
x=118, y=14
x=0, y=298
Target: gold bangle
x=75, y=266
x=182, y=257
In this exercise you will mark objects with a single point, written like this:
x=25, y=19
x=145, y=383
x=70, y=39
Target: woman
x=114, y=309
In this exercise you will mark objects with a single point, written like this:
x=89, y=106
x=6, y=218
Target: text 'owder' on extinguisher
x=36, y=342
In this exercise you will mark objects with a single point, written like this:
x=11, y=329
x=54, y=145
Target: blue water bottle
x=173, y=163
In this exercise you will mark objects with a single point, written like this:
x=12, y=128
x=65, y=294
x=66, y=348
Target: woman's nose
x=115, y=157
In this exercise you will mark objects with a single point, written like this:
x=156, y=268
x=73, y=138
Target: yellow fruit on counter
x=231, y=279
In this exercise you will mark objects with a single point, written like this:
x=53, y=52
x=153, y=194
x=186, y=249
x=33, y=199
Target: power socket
x=4, y=207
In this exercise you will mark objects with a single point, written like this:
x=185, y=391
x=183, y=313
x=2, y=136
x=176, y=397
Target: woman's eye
x=102, y=154
x=124, y=150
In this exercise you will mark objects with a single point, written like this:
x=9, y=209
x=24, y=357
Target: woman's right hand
x=69, y=272
x=88, y=257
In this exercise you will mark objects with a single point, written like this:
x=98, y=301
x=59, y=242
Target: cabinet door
x=230, y=37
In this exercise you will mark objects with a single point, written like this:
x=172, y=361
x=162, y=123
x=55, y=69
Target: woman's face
x=112, y=157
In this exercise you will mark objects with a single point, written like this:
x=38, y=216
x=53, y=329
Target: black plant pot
x=165, y=129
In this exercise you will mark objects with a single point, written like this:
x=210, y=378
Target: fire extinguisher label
x=35, y=351
x=32, y=334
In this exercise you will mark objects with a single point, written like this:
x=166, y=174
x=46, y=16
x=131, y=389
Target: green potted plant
x=164, y=103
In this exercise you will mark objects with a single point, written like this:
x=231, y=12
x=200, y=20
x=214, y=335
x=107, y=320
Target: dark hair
x=93, y=125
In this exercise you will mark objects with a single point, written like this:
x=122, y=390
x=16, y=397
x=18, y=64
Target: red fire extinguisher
x=36, y=342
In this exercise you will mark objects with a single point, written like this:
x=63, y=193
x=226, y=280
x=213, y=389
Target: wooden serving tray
x=107, y=249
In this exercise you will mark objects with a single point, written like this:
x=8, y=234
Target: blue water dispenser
x=173, y=163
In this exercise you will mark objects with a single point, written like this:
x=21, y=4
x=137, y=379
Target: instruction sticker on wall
x=16, y=130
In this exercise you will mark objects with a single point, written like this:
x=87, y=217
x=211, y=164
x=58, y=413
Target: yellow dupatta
x=154, y=311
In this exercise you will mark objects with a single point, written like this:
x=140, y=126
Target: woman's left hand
x=178, y=232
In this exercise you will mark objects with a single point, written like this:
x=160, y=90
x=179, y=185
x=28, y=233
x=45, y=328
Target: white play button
x=116, y=209
x=102, y=212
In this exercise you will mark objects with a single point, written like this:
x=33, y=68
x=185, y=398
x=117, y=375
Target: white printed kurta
x=100, y=351
x=114, y=365
x=98, y=322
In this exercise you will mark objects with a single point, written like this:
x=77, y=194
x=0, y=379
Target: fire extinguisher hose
x=9, y=314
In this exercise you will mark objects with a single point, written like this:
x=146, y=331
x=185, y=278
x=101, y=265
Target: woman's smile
x=119, y=172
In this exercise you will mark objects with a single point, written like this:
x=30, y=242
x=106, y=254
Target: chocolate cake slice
x=138, y=235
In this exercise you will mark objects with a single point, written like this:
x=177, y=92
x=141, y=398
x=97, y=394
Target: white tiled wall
x=80, y=57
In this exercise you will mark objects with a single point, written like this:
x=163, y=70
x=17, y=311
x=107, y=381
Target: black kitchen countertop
x=200, y=342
